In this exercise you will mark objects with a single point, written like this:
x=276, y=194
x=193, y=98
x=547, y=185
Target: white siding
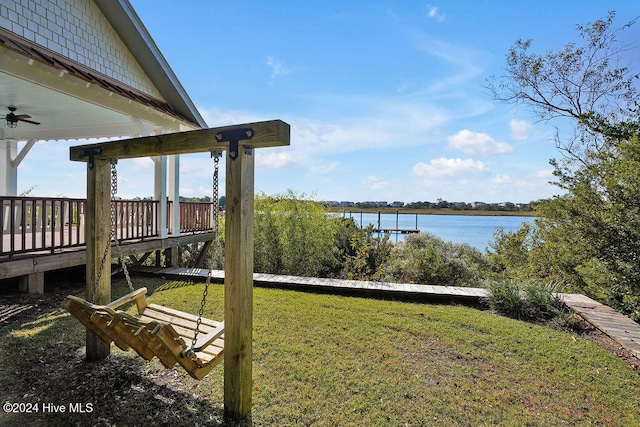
x=76, y=29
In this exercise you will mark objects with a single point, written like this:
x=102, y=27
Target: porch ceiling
x=71, y=106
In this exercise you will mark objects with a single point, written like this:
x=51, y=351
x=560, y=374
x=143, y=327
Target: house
x=83, y=69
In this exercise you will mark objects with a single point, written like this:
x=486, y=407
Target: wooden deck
x=617, y=326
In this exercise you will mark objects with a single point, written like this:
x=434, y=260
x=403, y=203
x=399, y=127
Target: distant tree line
x=478, y=206
x=439, y=204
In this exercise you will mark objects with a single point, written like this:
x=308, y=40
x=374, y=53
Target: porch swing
x=196, y=343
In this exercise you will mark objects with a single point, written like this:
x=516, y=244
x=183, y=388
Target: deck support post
x=238, y=284
x=98, y=233
x=32, y=283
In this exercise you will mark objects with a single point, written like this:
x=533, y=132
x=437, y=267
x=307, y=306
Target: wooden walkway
x=619, y=327
x=351, y=287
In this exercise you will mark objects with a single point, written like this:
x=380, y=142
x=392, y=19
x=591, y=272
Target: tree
x=292, y=235
x=585, y=82
x=589, y=237
x=600, y=221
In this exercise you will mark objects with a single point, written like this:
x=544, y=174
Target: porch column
x=160, y=190
x=174, y=193
x=8, y=170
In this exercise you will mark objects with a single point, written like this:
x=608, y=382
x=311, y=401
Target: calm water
x=474, y=230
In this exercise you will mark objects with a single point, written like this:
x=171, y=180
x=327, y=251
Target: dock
x=396, y=230
x=617, y=326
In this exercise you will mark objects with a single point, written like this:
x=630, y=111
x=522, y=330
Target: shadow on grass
x=43, y=363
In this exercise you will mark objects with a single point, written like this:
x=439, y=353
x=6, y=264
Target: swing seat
x=155, y=331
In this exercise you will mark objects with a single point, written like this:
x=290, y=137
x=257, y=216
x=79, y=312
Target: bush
x=543, y=299
x=293, y=236
x=531, y=301
x=368, y=255
x=427, y=259
x=505, y=297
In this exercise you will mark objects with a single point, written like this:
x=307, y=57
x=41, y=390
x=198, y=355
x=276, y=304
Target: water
x=476, y=231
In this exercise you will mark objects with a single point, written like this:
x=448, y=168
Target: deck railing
x=34, y=224
x=195, y=217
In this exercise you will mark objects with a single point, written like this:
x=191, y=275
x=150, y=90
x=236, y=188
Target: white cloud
x=324, y=169
x=373, y=182
x=277, y=69
x=216, y=117
x=434, y=13
x=445, y=168
x=520, y=129
x=475, y=143
x=142, y=164
x=502, y=179
x=546, y=174
x=275, y=160
x=465, y=65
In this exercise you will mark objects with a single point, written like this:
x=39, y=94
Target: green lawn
x=330, y=360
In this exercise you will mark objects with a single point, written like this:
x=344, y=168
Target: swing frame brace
x=233, y=137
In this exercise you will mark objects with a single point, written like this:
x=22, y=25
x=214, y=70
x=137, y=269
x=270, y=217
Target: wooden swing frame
x=239, y=141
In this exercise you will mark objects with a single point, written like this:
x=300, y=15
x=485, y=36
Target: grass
x=329, y=360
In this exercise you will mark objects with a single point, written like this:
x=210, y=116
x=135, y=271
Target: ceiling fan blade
x=29, y=121
x=23, y=116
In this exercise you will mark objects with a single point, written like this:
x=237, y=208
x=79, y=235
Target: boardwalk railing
x=35, y=224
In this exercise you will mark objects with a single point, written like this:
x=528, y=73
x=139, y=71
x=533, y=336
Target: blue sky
x=385, y=98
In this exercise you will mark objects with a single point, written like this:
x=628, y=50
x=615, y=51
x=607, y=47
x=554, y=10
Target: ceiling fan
x=13, y=119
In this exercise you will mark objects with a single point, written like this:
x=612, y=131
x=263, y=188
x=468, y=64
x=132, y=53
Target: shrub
x=505, y=297
x=292, y=236
x=543, y=299
x=427, y=259
x=530, y=301
x=368, y=256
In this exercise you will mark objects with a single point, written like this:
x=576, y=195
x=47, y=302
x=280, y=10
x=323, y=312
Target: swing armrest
x=138, y=296
x=204, y=340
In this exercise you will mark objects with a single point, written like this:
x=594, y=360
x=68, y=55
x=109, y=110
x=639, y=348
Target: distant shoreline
x=430, y=212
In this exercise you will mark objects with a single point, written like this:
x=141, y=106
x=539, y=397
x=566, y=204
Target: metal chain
x=113, y=236
x=217, y=249
x=114, y=191
x=191, y=353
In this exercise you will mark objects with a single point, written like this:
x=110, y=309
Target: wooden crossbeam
x=265, y=134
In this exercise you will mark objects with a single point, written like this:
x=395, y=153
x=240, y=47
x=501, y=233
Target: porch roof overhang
x=73, y=102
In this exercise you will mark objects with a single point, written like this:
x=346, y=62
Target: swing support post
x=238, y=284
x=240, y=142
x=98, y=234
